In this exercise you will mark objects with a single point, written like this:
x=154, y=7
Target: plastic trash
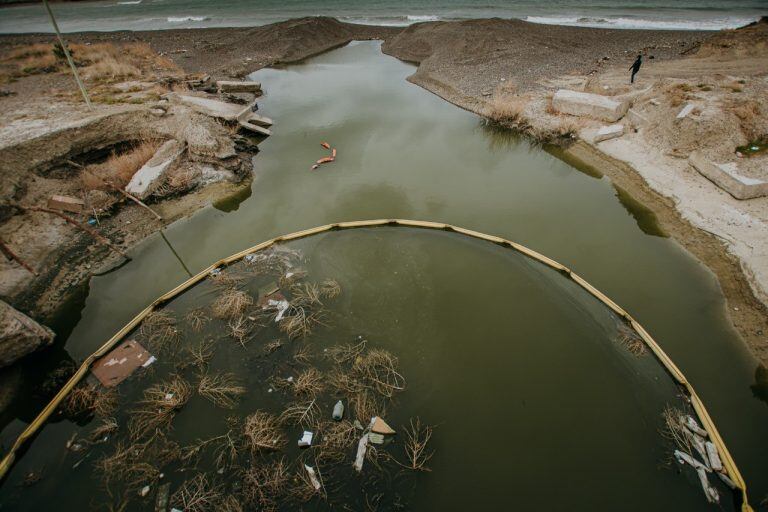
x=92, y=221
x=313, y=477
x=306, y=439
x=376, y=438
x=338, y=411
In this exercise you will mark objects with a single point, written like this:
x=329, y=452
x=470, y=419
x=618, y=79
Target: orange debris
x=326, y=160
x=325, y=145
x=333, y=153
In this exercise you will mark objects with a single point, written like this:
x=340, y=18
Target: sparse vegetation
x=160, y=404
x=262, y=432
x=119, y=168
x=231, y=304
x=222, y=389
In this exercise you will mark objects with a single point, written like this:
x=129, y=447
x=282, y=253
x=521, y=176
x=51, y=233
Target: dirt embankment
x=508, y=70
x=233, y=52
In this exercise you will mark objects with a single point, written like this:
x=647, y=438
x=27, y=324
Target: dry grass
x=272, y=346
x=306, y=294
x=241, y=329
x=345, y=382
x=416, y=452
x=366, y=405
x=337, y=437
x=159, y=405
x=303, y=354
x=107, y=427
x=346, y=353
x=159, y=329
x=379, y=369
x=309, y=383
x=197, y=494
x=197, y=318
x=200, y=354
x=751, y=119
x=507, y=110
x=231, y=304
x=262, y=432
x=90, y=399
x=118, y=169
x=630, y=339
x=330, y=289
x=674, y=429
x=127, y=466
x=304, y=414
x=303, y=489
x=223, y=389
x=264, y=486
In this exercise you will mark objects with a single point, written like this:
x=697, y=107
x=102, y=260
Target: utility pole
x=69, y=57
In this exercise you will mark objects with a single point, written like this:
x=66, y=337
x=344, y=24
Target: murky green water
x=537, y=406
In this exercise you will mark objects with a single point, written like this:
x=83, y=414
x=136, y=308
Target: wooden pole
x=69, y=57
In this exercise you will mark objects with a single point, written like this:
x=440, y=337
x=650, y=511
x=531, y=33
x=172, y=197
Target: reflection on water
x=232, y=202
x=406, y=153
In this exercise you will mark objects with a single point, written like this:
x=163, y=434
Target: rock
x=685, y=111
x=20, y=335
x=609, y=132
x=157, y=112
x=727, y=177
x=228, y=86
x=586, y=104
x=146, y=179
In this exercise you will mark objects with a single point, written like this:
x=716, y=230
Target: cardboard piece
x=120, y=363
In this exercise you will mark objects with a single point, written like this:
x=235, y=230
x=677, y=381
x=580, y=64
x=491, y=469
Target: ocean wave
x=129, y=2
x=392, y=21
x=182, y=19
x=641, y=23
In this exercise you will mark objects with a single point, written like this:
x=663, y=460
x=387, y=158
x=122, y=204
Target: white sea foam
x=182, y=19
x=129, y=2
x=642, y=23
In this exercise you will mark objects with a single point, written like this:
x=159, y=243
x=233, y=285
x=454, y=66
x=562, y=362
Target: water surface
x=536, y=403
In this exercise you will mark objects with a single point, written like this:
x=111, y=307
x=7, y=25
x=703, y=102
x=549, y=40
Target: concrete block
x=592, y=105
x=66, y=203
x=230, y=86
x=609, y=132
x=686, y=110
x=146, y=179
x=726, y=177
x=637, y=119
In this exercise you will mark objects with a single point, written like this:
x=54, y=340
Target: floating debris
x=338, y=411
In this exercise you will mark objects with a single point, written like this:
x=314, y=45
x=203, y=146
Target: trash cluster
x=326, y=159
x=691, y=441
x=228, y=400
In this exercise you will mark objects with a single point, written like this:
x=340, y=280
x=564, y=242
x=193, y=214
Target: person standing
x=635, y=67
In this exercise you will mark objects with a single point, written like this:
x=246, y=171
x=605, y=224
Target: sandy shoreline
x=467, y=63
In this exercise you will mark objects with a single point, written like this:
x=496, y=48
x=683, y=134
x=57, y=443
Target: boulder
x=609, y=132
x=591, y=105
x=20, y=335
x=727, y=177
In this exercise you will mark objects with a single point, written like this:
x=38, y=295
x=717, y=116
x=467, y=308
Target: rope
x=728, y=463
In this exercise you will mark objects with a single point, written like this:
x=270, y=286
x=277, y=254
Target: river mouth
x=404, y=153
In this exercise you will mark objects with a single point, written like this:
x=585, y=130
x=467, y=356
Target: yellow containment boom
x=728, y=463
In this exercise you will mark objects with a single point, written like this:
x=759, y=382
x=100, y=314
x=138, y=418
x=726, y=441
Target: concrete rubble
x=231, y=86
x=231, y=112
x=149, y=177
x=609, y=132
x=727, y=177
x=20, y=335
x=587, y=104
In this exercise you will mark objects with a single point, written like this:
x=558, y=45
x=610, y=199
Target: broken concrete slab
x=66, y=203
x=609, y=132
x=685, y=111
x=636, y=119
x=146, y=179
x=232, y=86
x=587, y=104
x=727, y=177
x=20, y=335
x=226, y=111
x=120, y=363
